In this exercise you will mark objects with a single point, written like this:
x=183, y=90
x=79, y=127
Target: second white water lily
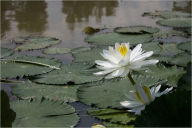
x=121, y=60
x=142, y=96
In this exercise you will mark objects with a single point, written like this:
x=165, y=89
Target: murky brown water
x=66, y=19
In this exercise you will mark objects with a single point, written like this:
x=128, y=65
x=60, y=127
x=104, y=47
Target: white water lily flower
x=121, y=60
x=142, y=96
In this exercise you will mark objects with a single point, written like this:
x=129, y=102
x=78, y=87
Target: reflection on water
x=80, y=11
x=66, y=19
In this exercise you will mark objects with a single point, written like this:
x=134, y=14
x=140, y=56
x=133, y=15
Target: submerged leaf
x=43, y=113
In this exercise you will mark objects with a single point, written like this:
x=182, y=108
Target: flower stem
x=131, y=79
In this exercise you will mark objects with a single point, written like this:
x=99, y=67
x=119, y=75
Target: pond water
x=66, y=20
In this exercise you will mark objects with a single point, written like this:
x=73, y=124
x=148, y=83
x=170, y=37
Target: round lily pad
x=29, y=89
x=185, y=46
x=112, y=38
x=19, y=66
x=5, y=52
x=80, y=49
x=32, y=43
x=43, y=113
x=167, y=14
x=57, y=50
x=136, y=30
x=176, y=22
x=75, y=73
x=111, y=93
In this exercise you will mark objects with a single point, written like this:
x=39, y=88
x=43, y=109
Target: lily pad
x=136, y=30
x=112, y=115
x=5, y=52
x=176, y=22
x=80, y=49
x=75, y=73
x=89, y=56
x=181, y=59
x=172, y=110
x=57, y=50
x=171, y=74
x=112, y=38
x=115, y=125
x=152, y=46
x=167, y=14
x=110, y=93
x=43, y=113
x=167, y=33
x=33, y=43
x=185, y=46
x=28, y=89
x=19, y=66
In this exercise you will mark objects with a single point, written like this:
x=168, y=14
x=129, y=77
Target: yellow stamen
x=147, y=91
x=123, y=50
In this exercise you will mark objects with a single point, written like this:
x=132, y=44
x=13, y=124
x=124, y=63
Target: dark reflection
x=80, y=11
x=5, y=17
x=184, y=6
x=31, y=15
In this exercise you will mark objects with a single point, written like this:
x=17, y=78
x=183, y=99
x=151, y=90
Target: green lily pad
x=176, y=22
x=169, y=50
x=112, y=38
x=167, y=33
x=80, y=49
x=181, y=59
x=172, y=110
x=111, y=93
x=5, y=52
x=44, y=113
x=152, y=46
x=171, y=74
x=57, y=50
x=75, y=73
x=136, y=30
x=33, y=43
x=7, y=114
x=185, y=81
x=112, y=115
x=28, y=89
x=89, y=56
x=185, y=46
x=19, y=66
x=167, y=14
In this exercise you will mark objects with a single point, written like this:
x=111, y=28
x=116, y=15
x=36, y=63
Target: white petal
x=117, y=45
x=164, y=92
x=106, y=55
x=105, y=64
x=104, y=72
x=124, y=74
x=142, y=93
x=127, y=46
x=137, y=110
x=144, y=63
x=136, y=51
x=143, y=56
x=130, y=104
x=131, y=96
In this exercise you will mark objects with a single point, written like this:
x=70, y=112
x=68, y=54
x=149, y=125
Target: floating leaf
x=5, y=52
x=152, y=46
x=185, y=81
x=112, y=38
x=75, y=73
x=44, y=113
x=80, y=49
x=172, y=110
x=167, y=14
x=89, y=56
x=32, y=43
x=27, y=66
x=57, y=50
x=181, y=59
x=32, y=90
x=185, y=46
x=7, y=114
x=112, y=115
x=136, y=30
x=90, y=30
x=167, y=33
x=115, y=125
x=111, y=93
x=176, y=22
x=171, y=74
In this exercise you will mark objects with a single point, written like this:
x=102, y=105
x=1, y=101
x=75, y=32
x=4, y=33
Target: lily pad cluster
x=51, y=85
